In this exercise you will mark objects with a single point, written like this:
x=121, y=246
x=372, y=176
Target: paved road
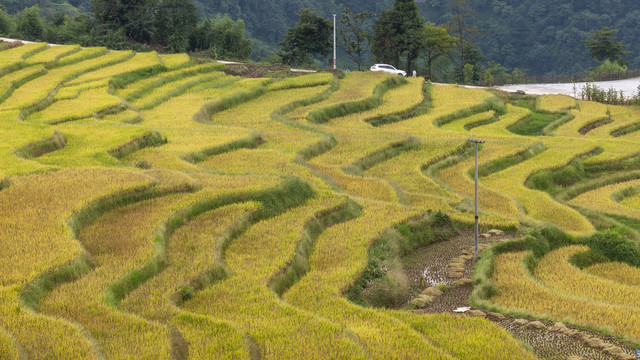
x=628, y=86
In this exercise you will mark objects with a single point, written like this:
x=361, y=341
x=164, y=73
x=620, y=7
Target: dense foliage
x=310, y=36
x=539, y=36
x=168, y=25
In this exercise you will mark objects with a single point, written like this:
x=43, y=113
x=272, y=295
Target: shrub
x=614, y=246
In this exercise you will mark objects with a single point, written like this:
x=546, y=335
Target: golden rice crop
x=266, y=162
x=248, y=183
x=16, y=55
x=83, y=54
x=614, y=150
x=87, y=104
x=192, y=249
x=486, y=221
x=457, y=178
x=211, y=339
x=537, y=204
x=601, y=200
x=72, y=92
x=180, y=144
x=223, y=320
x=615, y=271
x=10, y=115
x=353, y=87
x=406, y=170
x=8, y=348
x=10, y=80
x=52, y=54
x=174, y=61
x=41, y=336
x=400, y=99
x=587, y=113
x=632, y=202
x=499, y=128
x=120, y=241
x=555, y=271
x=445, y=100
x=169, y=181
x=139, y=61
x=186, y=136
x=316, y=79
x=15, y=135
x=339, y=257
x=166, y=91
x=395, y=101
x=256, y=114
x=38, y=89
x=465, y=337
x=245, y=300
x=517, y=290
x=37, y=207
x=125, y=116
x=355, y=144
x=137, y=88
x=620, y=117
x=460, y=124
x=370, y=188
x=87, y=147
x=556, y=102
x=178, y=111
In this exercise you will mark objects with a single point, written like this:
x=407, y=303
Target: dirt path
x=546, y=339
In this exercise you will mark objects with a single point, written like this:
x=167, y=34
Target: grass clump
x=383, y=282
x=147, y=140
x=507, y=162
x=325, y=114
x=39, y=148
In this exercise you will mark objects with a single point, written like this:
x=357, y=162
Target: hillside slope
x=539, y=36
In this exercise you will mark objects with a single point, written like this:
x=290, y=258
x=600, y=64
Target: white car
x=388, y=68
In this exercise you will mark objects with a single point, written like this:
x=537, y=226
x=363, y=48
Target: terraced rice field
x=151, y=207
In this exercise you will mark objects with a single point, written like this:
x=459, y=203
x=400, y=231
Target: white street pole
x=475, y=233
x=334, y=41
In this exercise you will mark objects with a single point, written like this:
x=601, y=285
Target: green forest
x=536, y=36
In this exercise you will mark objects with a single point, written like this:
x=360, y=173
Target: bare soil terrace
x=546, y=339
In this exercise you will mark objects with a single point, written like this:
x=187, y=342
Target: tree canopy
x=354, y=37
x=437, y=42
x=311, y=36
x=398, y=33
x=171, y=25
x=536, y=36
x=603, y=46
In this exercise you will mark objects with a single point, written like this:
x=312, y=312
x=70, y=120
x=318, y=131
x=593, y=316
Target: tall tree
x=436, y=44
x=6, y=24
x=465, y=33
x=223, y=37
x=175, y=21
x=386, y=46
x=398, y=33
x=355, y=38
x=30, y=24
x=311, y=36
x=134, y=17
x=603, y=46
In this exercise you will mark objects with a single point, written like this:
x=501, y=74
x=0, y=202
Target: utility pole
x=334, y=42
x=475, y=234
